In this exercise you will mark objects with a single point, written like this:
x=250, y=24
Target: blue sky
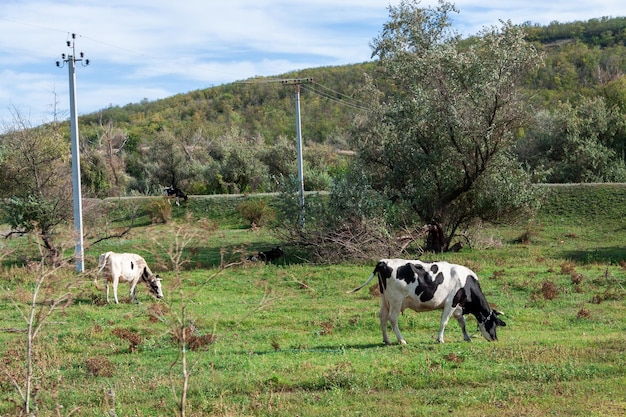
x=151, y=49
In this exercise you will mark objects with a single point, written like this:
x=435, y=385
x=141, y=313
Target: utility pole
x=76, y=187
x=296, y=82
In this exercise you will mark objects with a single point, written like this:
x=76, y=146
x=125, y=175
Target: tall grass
x=286, y=340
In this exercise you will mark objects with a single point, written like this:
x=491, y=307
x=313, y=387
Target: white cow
x=427, y=286
x=128, y=267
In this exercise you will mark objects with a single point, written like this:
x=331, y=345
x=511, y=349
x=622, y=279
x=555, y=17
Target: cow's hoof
x=403, y=342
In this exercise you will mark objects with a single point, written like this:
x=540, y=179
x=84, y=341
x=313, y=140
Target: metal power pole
x=76, y=187
x=296, y=83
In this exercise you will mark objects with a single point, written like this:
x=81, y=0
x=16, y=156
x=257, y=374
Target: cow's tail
x=366, y=282
x=102, y=262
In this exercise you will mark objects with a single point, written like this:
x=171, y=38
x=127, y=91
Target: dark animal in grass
x=267, y=256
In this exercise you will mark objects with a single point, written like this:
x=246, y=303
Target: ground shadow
x=611, y=255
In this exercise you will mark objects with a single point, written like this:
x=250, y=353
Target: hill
x=575, y=53
x=239, y=137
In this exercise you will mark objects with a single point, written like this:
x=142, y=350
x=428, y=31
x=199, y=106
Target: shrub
x=132, y=338
x=99, y=366
x=160, y=210
x=256, y=212
x=549, y=290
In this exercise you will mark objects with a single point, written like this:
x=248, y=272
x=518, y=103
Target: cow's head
x=488, y=326
x=154, y=282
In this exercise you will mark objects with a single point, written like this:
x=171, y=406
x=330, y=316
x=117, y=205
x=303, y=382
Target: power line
x=332, y=91
x=352, y=103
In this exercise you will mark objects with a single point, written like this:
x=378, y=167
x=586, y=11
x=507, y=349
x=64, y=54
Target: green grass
x=289, y=340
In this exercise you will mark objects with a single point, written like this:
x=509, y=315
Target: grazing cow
x=427, y=286
x=176, y=193
x=128, y=267
x=268, y=256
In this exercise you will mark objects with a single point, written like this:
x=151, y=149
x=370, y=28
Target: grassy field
x=286, y=340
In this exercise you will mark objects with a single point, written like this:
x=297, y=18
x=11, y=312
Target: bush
x=160, y=211
x=256, y=212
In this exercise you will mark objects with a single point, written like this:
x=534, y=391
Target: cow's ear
x=499, y=322
x=498, y=313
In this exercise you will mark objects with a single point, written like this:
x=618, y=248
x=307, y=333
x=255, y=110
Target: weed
x=133, y=338
x=567, y=268
x=99, y=366
x=499, y=273
x=374, y=290
x=583, y=313
x=528, y=235
x=452, y=357
x=191, y=337
x=341, y=375
x=275, y=345
x=549, y=290
x=327, y=328
x=157, y=312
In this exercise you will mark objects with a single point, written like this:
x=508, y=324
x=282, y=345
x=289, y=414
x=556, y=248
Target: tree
x=110, y=145
x=35, y=177
x=576, y=143
x=439, y=140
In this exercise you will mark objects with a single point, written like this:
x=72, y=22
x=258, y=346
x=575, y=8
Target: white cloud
x=156, y=48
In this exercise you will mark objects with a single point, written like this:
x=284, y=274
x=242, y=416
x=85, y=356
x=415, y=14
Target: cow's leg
x=133, y=291
x=458, y=314
x=394, y=313
x=384, y=315
x=445, y=316
x=116, y=281
x=106, y=286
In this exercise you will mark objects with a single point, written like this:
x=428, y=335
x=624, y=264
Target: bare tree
x=35, y=316
x=112, y=141
x=182, y=327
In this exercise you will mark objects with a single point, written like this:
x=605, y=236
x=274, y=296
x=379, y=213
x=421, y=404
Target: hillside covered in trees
x=240, y=137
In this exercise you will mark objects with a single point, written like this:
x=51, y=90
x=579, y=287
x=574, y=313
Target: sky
x=152, y=49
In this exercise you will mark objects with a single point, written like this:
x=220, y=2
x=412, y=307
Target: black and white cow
x=427, y=286
x=176, y=193
x=268, y=255
x=128, y=267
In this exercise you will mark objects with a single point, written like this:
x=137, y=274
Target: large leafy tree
x=439, y=140
x=35, y=180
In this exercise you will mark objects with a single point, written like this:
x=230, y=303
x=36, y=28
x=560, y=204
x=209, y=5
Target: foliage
x=598, y=32
x=576, y=144
x=35, y=177
x=256, y=212
x=440, y=139
x=160, y=211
